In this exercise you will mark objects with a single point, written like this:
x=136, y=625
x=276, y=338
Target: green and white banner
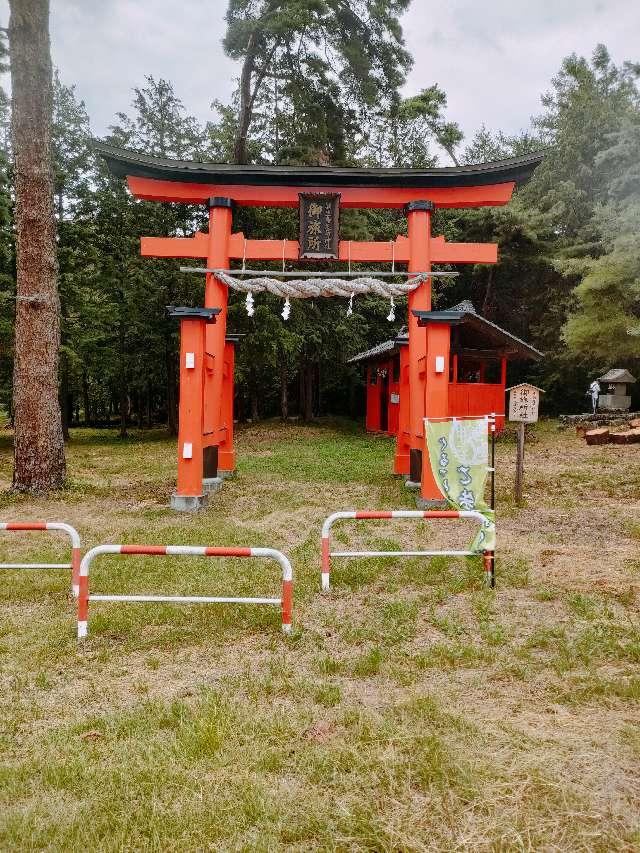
x=459, y=456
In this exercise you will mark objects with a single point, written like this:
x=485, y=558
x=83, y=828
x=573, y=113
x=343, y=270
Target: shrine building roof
x=471, y=331
x=617, y=374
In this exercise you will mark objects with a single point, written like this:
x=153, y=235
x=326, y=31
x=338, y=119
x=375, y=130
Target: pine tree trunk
x=86, y=402
x=122, y=405
x=284, y=392
x=64, y=398
x=123, y=390
x=39, y=445
x=306, y=390
x=246, y=103
x=172, y=392
x=488, y=304
x=148, y=407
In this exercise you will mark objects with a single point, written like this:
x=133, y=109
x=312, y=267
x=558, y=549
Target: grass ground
x=411, y=710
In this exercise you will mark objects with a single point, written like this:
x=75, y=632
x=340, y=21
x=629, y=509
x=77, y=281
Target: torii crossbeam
x=206, y=367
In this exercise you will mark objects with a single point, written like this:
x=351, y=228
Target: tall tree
x=400, y=132
x=7, y=247
x=39, y=445
x=606, y=322
x=353, y=47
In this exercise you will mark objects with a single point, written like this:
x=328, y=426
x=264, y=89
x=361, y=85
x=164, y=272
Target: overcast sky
x=492, y=58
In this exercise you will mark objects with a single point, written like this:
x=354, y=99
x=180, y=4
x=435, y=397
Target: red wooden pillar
x=419, y=231
x=438, y=343
x=403, y=445
x=193, y=325
x=226, y=452
x=216, y=295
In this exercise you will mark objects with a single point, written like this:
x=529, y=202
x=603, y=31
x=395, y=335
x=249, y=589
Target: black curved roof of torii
x=123, y=162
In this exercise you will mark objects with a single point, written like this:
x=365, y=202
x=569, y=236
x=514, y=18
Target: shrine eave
x=157, y=178
x=125, y=163
x=482, y=327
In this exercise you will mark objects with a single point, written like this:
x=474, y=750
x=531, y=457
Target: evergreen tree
x=320, y=58
x=606, y=324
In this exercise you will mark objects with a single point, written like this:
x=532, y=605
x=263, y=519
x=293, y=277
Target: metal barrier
x=285, y=602
x=74, y=565
x=488, y=556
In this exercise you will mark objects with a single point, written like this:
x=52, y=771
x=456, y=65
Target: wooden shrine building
x=475, y=352
x=319, y=193
x=382, y=366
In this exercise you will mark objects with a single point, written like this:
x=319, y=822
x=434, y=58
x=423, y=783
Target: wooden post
x=519, y=462
x=189, y=494
x=403, y=443
x=226, y=452
x=216, y=296
x=523, y=408
x=419, y=231
x=190, y=449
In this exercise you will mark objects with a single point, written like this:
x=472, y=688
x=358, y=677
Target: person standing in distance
x=594, y=392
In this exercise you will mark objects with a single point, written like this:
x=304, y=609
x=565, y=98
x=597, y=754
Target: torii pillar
x=428, y=385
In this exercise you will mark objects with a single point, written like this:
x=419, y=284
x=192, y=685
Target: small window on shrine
x=396, y=368
x=493, y=372
x=373, y=375
x=469, y=370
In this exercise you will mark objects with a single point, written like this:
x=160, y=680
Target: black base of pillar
x=415, y=466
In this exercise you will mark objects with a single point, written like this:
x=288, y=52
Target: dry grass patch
x=411, y=709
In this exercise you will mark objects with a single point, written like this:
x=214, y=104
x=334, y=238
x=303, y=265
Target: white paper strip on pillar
x=187, y=450
x=439, y=364
x=190, y=360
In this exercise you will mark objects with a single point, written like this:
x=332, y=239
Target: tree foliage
x=324, y=87
x=321, y=62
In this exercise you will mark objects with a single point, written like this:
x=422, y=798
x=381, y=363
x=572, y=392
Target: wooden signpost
x=523, y=408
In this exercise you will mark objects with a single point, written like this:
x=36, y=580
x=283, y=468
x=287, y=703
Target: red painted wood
x=216, y=295
x=419, y=229
x=372, y=421
x=226, y=452
x=272, y=250
x=477, y=398
x=393, y=408
x=190, y=421
x=437, y=398
x=401, y=457
x=152, y=189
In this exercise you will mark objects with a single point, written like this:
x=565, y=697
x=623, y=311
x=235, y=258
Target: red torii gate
x=206, y=385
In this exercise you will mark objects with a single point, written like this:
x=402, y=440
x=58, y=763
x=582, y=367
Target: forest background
x=320, y=85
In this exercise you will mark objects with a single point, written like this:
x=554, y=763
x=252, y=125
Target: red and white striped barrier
x=285, y=602
x=71, y=532
x=327, y=553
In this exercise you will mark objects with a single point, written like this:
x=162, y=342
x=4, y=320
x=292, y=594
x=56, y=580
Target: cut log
x=631, y=436
x=635, y=423
x=581, y=430
x=597, y=436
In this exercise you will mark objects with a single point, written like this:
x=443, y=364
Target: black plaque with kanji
x=319, y=225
